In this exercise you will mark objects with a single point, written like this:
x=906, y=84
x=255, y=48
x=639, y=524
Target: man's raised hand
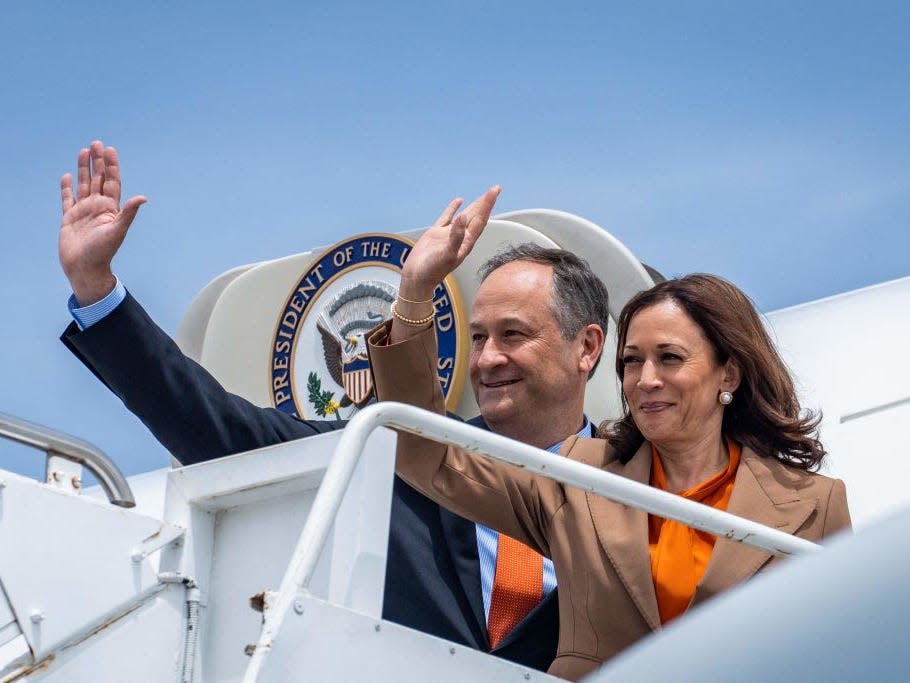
x=94, y=225
x=445, y=245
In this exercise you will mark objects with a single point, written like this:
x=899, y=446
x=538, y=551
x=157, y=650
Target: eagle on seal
x=343, y=324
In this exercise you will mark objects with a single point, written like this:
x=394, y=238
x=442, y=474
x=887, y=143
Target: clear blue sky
x=768, y=143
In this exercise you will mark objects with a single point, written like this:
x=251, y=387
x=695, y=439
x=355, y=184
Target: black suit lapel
x=461, y=535
x=546, y=612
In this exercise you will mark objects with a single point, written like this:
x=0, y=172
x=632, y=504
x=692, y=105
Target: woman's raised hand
x=445, y=245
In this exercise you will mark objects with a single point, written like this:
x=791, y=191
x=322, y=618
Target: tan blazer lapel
x=760, y=495
x=623, y=534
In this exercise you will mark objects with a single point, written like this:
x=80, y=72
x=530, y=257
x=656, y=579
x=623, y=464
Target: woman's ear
x=732, y=376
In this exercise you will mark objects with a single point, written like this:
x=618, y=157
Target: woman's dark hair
x=765, y=414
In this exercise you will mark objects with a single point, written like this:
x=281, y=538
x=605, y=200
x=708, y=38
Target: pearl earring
x=725, y=398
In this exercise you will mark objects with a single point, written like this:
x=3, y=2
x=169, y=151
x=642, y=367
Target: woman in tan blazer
x=710, y=413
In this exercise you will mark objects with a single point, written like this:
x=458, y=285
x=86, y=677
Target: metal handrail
x=74, y=449
x=474, y=440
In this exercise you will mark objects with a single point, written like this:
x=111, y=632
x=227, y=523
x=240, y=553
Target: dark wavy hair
x=765, y=414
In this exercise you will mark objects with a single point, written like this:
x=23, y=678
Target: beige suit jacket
x=599, y=547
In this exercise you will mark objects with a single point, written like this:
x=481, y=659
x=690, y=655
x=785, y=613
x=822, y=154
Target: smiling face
x=671, y=378
x=528, y=379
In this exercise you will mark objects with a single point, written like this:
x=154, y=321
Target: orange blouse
x=679, y=553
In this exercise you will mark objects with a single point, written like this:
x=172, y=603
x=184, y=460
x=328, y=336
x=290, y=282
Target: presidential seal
x=318, y=363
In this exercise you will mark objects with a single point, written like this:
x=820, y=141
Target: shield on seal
x=356, y=378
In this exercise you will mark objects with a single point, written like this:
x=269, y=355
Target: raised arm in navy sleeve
x=186, y=408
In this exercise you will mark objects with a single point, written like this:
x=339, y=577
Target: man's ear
x=732, y=376
x=592, y=345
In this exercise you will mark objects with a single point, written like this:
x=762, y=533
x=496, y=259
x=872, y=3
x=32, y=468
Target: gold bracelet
x=408, y=301
x=408, y=321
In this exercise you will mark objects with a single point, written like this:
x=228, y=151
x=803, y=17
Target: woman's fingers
x=449, y=212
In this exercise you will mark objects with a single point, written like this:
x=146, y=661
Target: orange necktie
x=517, y=586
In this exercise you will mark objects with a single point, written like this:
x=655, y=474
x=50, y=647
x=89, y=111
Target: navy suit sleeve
x=186, y=408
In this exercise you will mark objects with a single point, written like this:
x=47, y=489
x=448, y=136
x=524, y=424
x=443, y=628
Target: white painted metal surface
x=191, y=333
x=847, y=353
x=66, y=567
x=106, y=584
x=325, y=642
x=14, y=650
x=62, y=473
x=142, y=646
x=250, y=508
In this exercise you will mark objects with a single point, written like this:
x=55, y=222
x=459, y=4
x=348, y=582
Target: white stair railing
x=444, y=430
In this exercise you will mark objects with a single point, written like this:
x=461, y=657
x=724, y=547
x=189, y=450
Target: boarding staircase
x=209, y=577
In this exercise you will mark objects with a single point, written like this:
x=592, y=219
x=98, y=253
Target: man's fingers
x=446, y=216
x=111, y=186
x=130, y=208
x=97, y=154
x=83, y=174
x=66, y=192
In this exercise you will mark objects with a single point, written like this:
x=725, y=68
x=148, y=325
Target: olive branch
x=323, y=401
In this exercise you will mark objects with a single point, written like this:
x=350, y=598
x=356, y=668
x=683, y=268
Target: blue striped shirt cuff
x=87, y=316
